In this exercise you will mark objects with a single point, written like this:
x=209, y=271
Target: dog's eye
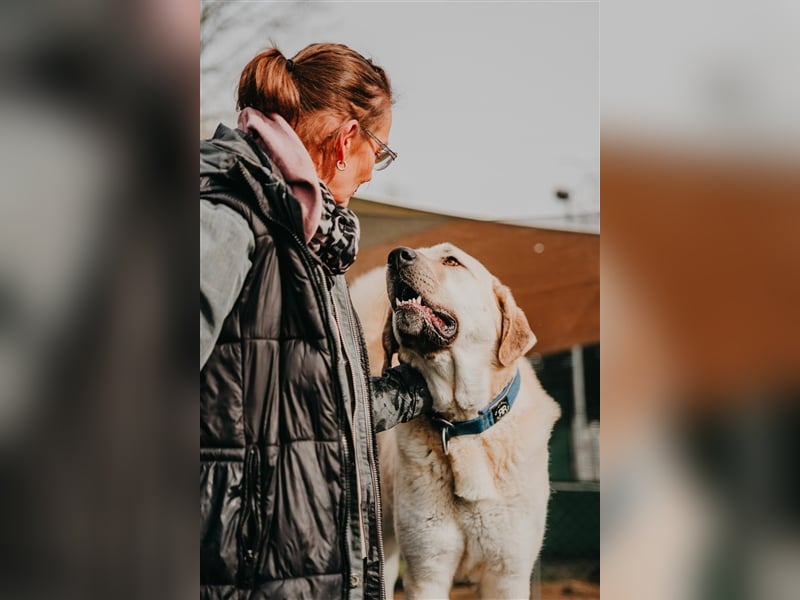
x=451, y=261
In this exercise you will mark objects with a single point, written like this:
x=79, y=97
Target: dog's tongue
x=437, y=322
x=430, y=316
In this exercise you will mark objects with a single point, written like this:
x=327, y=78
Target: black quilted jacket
x=289, y=492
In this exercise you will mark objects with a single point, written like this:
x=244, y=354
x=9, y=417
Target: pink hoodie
x=287, y=152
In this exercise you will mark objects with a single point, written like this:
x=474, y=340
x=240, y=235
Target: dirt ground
x=549, y=590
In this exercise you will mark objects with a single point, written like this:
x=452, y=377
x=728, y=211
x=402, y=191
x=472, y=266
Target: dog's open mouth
x=417, y=320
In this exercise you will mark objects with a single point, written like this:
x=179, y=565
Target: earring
x=341, y=165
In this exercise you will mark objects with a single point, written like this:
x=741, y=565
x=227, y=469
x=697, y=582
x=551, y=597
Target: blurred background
x=699, y=258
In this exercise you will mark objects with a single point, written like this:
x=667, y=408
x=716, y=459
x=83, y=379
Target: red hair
x=322, y=84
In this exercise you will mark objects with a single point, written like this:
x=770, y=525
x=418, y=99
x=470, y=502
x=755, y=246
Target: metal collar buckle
x=446, y=427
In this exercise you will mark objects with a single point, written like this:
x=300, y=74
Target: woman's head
x=334, y=98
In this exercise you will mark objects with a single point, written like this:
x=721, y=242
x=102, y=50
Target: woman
x=290, y=500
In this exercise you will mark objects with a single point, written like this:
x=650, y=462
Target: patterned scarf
x=336, y=239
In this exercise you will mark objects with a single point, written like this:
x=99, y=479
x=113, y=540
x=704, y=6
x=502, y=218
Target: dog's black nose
x=401, y=257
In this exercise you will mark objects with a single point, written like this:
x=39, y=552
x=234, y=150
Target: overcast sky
x=497, y=103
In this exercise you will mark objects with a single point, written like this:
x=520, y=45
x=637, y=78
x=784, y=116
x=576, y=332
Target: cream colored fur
x=478, y=512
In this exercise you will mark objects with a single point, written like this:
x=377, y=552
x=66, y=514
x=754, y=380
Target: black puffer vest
x=278, y=475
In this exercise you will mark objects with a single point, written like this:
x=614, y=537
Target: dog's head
x=445, y=302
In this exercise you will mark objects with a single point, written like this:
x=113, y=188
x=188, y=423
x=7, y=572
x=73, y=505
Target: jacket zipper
x=376, y=484
x=351, y=382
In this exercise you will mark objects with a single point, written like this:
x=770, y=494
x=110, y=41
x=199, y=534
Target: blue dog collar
x=498, y=408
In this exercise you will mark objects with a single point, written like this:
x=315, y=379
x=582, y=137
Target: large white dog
x=464, y=492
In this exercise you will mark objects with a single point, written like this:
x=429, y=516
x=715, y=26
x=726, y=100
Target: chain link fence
x=571, y=547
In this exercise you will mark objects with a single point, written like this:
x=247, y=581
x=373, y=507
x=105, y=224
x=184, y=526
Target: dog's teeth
x=417, y=300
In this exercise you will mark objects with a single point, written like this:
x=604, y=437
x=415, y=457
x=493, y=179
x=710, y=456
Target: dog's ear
x=390, y=345
x=516, y=336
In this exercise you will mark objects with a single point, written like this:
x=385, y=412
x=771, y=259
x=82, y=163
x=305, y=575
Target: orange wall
x=558, y=288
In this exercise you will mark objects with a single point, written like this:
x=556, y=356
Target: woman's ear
x=346, y=139
x=516, y=336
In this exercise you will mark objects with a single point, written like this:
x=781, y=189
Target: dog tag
x=500, y=410
x=445, y=440
x=445, y=426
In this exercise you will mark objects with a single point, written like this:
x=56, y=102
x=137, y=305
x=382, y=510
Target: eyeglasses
x=385, y=155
